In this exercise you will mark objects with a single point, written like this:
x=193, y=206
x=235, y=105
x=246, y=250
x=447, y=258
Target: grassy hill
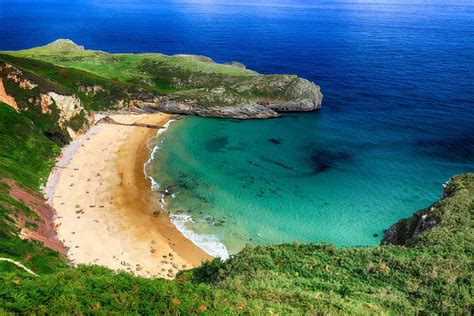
x=430, y=271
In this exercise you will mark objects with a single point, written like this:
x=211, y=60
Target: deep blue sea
x=397, y=119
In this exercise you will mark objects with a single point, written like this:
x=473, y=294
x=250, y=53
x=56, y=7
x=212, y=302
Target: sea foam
x=154, y=147
x=208, y=243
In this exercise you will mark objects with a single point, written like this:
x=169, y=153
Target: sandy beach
x=106, y=211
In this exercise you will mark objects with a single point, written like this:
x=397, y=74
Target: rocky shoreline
x=308, y=97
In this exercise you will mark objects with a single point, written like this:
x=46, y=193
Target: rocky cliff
x=46, y=102
x=299, y=95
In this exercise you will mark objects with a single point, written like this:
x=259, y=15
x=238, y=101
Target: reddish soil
x=45, y=231
x=5, y=98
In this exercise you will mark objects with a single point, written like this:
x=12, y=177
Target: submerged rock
x=219, y=223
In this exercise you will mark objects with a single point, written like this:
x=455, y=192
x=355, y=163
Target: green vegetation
x=26, y=156
x=124, y=67
x=65, y=81
x=432, y=273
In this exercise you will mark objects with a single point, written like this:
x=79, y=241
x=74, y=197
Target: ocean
x=397, y=119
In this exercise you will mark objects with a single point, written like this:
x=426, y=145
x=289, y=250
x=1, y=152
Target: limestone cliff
x=296, y=95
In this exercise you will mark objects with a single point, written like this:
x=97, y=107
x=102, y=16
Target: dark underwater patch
x=322, y=160
x=275, y=141
x=277, y=163
x=217, y=144
x=254, y=164
x=453, y=149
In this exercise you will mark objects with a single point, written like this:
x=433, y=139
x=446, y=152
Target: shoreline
x=208, y=243
x=110, y=218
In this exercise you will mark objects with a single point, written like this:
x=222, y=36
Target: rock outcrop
x=236, y=64
x=152, y=103
x=406, y=229
x=68, y=105
x=7, y=99
x=242, y=112
x=17, y=76
x=25, y=92
x=284, y=94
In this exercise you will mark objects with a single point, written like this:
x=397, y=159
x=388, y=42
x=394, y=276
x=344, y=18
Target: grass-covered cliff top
x=126, y=67
x=67, y=53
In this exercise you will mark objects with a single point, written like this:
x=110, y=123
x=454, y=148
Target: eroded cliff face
x=152, y=103
x=5, y=98
x=279, y=94
x=21, y=92
x=16, y=75
x=68, y=105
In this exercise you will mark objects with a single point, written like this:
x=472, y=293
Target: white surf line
x=153, y=149
x=209, y=243
x=18, y=264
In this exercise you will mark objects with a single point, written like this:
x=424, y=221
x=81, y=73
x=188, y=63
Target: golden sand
x=105, y=205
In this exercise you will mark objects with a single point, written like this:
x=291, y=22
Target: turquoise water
x=303, y=177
